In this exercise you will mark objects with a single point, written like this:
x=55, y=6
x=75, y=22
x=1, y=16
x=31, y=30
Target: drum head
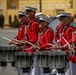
x=53, y=24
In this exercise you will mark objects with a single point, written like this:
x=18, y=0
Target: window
x=21, y=6
x=38, y=6
x=56, y=5
x=50, y=6
x=69, y=5
x=63, y=5
x=33, y=5
x=13, y=6
x=44, y=5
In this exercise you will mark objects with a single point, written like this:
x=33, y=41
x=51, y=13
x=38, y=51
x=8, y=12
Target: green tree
x=15, y=23
x=15, y=17
x=10, y=20
x=1, y=20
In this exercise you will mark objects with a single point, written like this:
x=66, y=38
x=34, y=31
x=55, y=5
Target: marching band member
x=31, y=33
x=20, y=35
x=46, y=35
x=32, y=28
x=66, y=32
x=21, y=29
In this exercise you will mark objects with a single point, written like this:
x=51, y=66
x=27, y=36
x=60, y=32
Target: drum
x=42, y=59
x=7, y=54
x=23, y=59
x=53, y=24
x=57, y=59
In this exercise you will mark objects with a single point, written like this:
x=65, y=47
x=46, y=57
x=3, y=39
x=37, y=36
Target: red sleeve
x=69, y=36
x=34, y=35
x=49, y=39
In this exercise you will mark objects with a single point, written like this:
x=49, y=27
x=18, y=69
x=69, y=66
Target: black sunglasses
x=21, y=16
x=28, y=11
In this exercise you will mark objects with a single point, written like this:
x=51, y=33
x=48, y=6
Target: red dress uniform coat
x=66, y=32
x=21, y=31
x=20, y=36
x=32, y=33
x=46, y=37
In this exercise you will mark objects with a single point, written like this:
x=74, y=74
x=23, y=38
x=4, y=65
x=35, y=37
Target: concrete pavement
x=9, y=33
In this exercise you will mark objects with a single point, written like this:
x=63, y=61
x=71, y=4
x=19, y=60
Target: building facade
x=49, y=7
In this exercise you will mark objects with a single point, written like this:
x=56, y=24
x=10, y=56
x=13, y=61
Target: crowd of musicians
x=34, y=33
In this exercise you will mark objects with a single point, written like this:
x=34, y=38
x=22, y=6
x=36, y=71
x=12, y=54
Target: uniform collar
x=43, y=30
x=33, y=18
x=30, y=20
x=21, y=27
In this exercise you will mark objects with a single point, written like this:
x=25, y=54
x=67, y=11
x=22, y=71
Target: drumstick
x=31, y=44
x=6, y=39
x=27, y=42
x=67, y=43
x=50, y=44
x=19, y=41
x=10, y=39
x=16, y=40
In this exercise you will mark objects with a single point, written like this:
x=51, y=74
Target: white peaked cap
x=30, y=8
x=44, y=19
x=37, y=15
